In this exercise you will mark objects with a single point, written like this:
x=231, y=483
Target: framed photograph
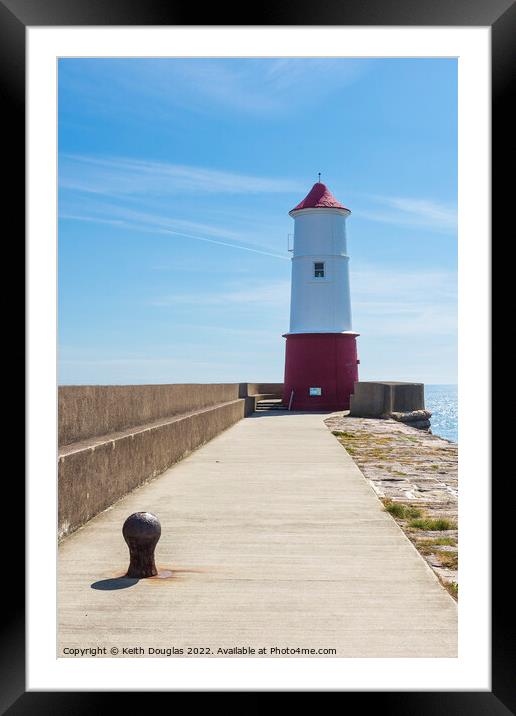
x=303, y=200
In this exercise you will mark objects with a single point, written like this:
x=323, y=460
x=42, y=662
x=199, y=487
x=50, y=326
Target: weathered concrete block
x=406, y=397
x=374, y=399
x=367, y=400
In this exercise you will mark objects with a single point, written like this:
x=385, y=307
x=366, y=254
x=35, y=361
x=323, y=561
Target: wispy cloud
x=271, y=86
x=264, y=88
x=416, y=212
x=149, y=223
x=386, y=302
x=274, y=294
x=118, y=176
x=401, y=302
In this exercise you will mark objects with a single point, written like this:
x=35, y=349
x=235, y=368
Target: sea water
x=441, y=400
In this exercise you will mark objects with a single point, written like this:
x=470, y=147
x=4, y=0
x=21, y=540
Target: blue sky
x=175, y=181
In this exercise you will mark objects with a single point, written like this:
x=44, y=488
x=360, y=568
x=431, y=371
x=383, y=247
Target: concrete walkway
x=276, y=540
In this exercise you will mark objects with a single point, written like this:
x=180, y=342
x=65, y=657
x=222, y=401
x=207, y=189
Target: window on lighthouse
x=319, y=269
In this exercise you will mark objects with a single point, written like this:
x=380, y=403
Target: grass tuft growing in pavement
x=426, y=546
x=401, y=511
x=453, y=588
x=448, y=559
x=419, y=522
x=432, y=525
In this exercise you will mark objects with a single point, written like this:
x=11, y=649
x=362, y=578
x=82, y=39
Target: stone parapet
x=96, y=472
x=87, y=411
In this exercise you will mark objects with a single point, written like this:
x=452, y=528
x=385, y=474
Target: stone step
x=270, y=405
x=262, y=409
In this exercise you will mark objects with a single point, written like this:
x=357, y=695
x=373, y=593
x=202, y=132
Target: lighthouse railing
x=290, y=401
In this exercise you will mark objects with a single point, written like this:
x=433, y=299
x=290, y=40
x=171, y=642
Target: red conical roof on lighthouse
x=319, y=197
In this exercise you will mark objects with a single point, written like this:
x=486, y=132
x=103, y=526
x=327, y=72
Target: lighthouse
x=321, y=364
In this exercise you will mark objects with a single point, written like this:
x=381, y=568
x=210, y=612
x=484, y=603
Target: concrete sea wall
x=114, y=438
x=86, y=411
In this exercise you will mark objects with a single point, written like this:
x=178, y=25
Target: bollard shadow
x=107, y=585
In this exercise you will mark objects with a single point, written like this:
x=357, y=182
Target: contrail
x=175, y=233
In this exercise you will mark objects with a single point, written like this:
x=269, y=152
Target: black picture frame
x=15, y=16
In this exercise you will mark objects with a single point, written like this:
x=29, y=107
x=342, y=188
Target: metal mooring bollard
x=141, y=531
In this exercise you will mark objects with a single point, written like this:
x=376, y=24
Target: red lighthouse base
x=324, y=363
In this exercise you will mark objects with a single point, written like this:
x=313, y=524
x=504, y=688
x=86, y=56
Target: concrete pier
x=275, y=540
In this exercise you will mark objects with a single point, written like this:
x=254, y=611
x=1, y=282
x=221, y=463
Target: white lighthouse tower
x=321, y=363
